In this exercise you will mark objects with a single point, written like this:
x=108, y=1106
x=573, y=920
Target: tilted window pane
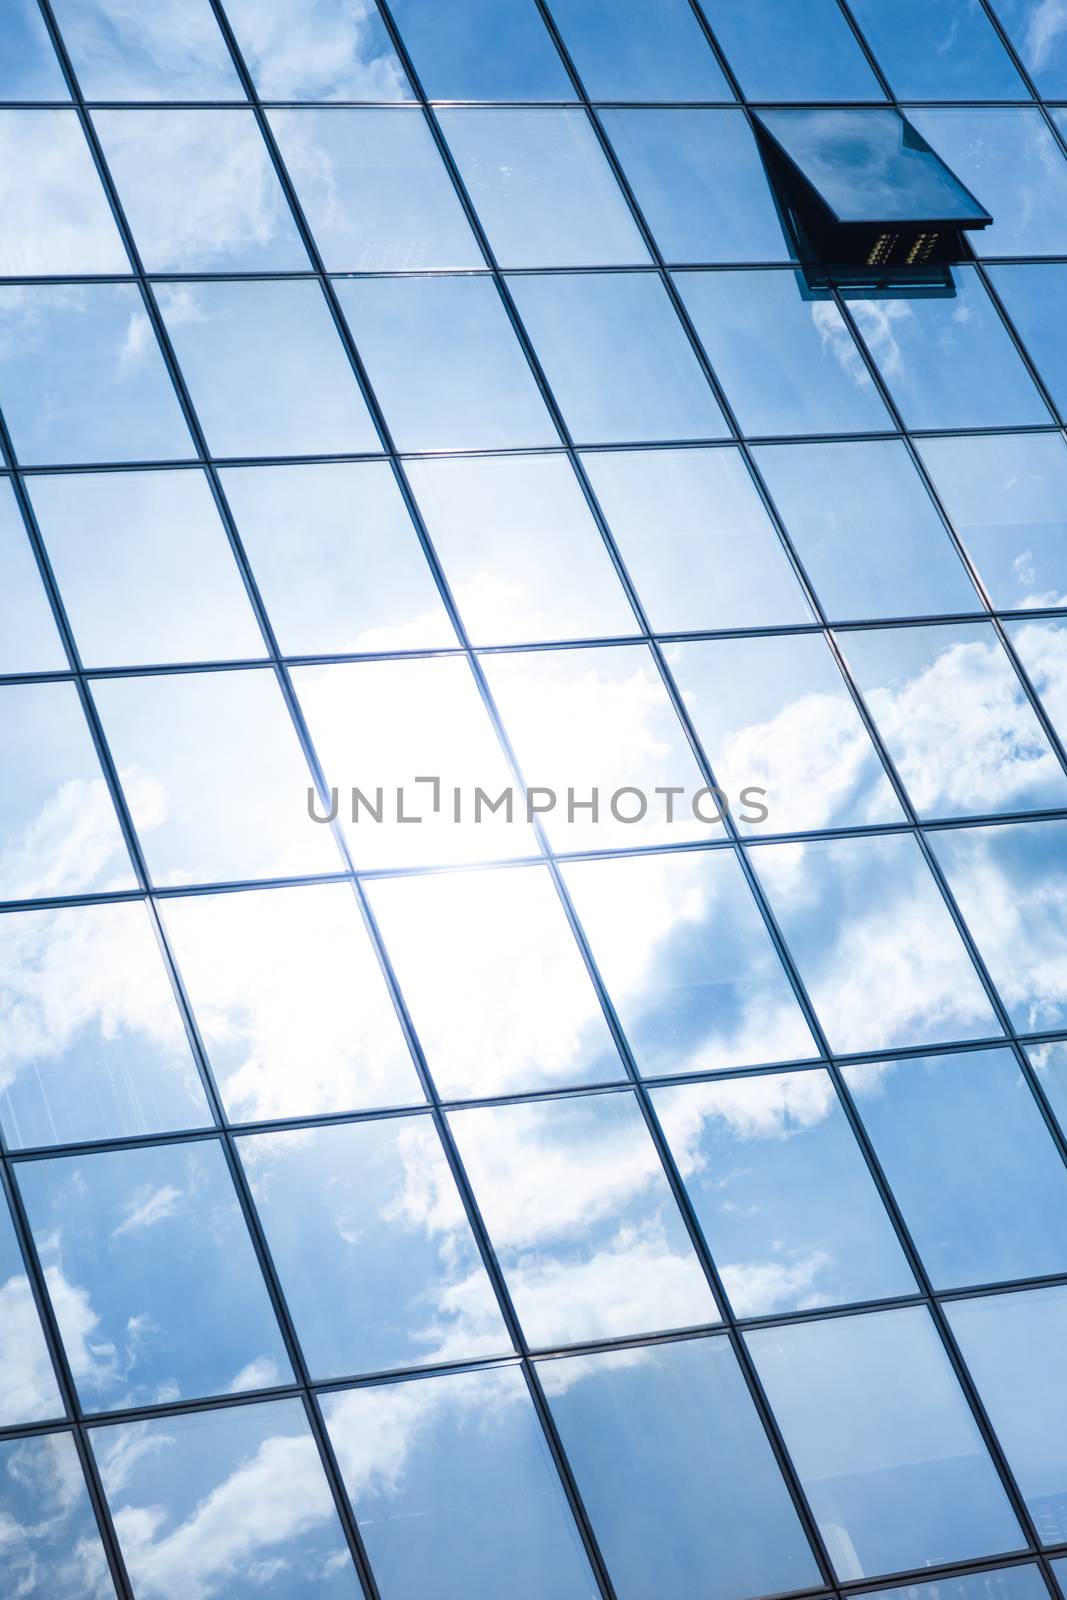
x=82, y=378
x=445, y=363
x=229, y=1501
x=617, y=358
x=54, y=215
x=1033, y=296
x=29, y=69
x=91, y=1040
x=51, y=1542
x=290, y=1002
x=29, y=640
x=1009, y=159
x=336, y=558
x=788, y=365
x=1038, y=34
x=874, y=943
x=639, y=50
x=980, y=1182
x=172, y=51
x=865, y=529
x=775, y=715
x=28, y=1390
x=494, y=981
x=504, y=530
x=374, y=190
x=648, y=1432
x=888, y=1452
x=372, y=1208
x=482, y=50
x=696, y=539
x=144, y=568
x=152, y=1276
x=781, y=53
x=938, y=50
x=200, y=192
x=582, y=1219
x=1042, y=649
x=214, y=776
x=268, y=372
x=543, y=189
x=317, y=50
x=785, y=1199
x=687, y=961
x=455, y=1490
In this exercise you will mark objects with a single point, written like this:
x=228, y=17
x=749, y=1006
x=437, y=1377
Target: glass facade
x=533, y=853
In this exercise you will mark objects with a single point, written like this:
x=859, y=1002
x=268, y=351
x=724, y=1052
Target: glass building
x=533, y=944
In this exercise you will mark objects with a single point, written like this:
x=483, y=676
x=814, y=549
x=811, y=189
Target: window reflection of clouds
x=49, y=1539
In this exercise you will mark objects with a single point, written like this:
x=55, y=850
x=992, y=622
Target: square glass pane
x=82, y=377
x=171, y=51
x=1032, y=296
x=29, y=639
x=445, y=363
x=959, y=729
x=214, y=777
x=583, y=1221
x=28, y=1389
x=1010, y=160
x=1042, y=649
x=317, y=50
x=699, y=181
x=152, y=1276
x=980, y=1183
x=640, y=50
x=373, y=1208
x=782, y=1193
x=455, y=1491
x=687, y=961
x=51, y=1541
x=200, y=192
x=494, y=982
x=775, y=716
x=938, y=50
x=782, y=53
x=647, y=1432
x=865, y=529
x=543, y=189
x=266, y=367
x=144, y=568
x=597, y=729
x=1036, y=30
x=336, y=558
x=290, y=1002
x=1011, y=885
x=230, y=1501
x=482, y=50
x=504, y=530
x=696, y=539
x=788, y=365
x=617, y=358
x=1006, y=495
x=874, y=943
x=54, y=215
x=886, y=1447
x=29, y=69
x=91, y=1040
x=58, y=830
x=374, y=190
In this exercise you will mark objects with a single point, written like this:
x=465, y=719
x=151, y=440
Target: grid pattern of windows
x=563, y=1205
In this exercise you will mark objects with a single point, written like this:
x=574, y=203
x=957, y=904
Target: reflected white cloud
x=172, y=50
x=318, y=50
x=28, y=1391
x=54, y=216
x=48, y=1538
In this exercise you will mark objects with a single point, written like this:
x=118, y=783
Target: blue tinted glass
x=455, y=1491
x=29, y=69
x=887, y=1450
x=788, y=365
x=1042, y=649
x=1011, y=162
x=317, y=50
x=1050, y=1063
x=1004, y=1583
x=482, y=50
x=54, y=215
x=28, y=1391
x=938, y=49
x=639, y=50
x=172, y=50
x=29, y=640
x=647, y=1432
x=1033, y=296
x=1038, y=31
x=781, y=51
x=51, y=1543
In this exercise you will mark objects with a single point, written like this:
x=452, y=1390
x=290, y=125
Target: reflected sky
x=780, y=52
x=29, y=69
x=481, y=50
x=1049, y=1061
x=1042, y=649
x=1009, y=159
x=1031, y=295
x=639, y=50
x=938, y=49
x=50, y=1542
x=1038, y=30
x=1021, y=1582
x=29, y=640
x=55, y=216
x=317, y=50
x=172, y=52
x=28, y=1389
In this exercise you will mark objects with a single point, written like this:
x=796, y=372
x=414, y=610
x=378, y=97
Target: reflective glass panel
x=617, y=358
x=482, y=50
x=228, y=1502
x=785, y=1199
x=1038, y=32
x=1009, y=159
x=152, y=1275
x=290, y=1002
x=938, y=49
x=981, y=1185
x=874, y=943
x=29, y=69
x=455, y=1491
x=91, y=1042
x=1049, y=1061
x=372, y=1207
x=494, y=982
x=317, y=50
x=336, y=558
x=647, y=1431
x=504, y=530
x=998, y=1583
x=29, y=640
x=1042, y=649
x=213, y=775
x=54, y=216
x=200, y=192
x=887, y=1450
x=696, y=539
x=51, y=1543
x=1032, y=296
x=82, y=377
x=374, y=190
x=28, y=1390
x=445, y=363
x=170, y=51
x=543, y=189
x=144, y=568
x=687, y=961
x=266, y=367
x=774, y=715
x=639, y=50
x=788, y=365
x=780, y=52
x=582, y=1219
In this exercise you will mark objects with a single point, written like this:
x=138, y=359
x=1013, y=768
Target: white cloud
x=28, y=1389
x=146, y=1207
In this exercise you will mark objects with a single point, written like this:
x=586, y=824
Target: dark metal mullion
x=1024, y=72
